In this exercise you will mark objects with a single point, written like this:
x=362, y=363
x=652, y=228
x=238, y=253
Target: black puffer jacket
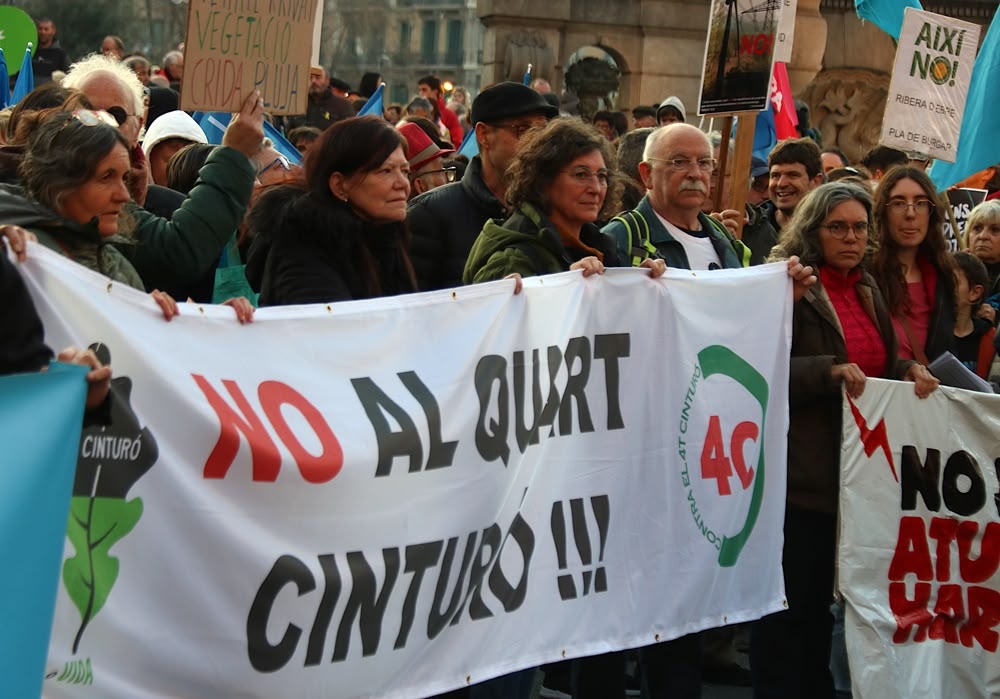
x=445, y=223
x=311, y=249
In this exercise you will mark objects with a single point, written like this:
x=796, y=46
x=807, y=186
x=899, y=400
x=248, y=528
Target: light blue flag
x=214, y=125
x=4, y=81
x=470, y=146
x=765, y=134
x=978, y=145
x=374, y=104
x=41, y=416
x=25, y=78
x=887, y=14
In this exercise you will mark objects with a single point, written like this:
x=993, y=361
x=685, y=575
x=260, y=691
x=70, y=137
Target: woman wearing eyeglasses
x=338, y=232
x=841, y=334
x=559, y=183
x=912, y=264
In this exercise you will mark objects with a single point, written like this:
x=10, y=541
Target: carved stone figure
x=524, y=48
x=847, y=106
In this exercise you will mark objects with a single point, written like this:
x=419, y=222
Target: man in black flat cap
x=445, y=221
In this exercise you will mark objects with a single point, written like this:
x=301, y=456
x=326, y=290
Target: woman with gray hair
x=841, y=333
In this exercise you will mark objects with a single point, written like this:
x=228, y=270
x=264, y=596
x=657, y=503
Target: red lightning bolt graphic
x=873, y=439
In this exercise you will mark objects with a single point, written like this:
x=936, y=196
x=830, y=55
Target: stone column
x=808, y=46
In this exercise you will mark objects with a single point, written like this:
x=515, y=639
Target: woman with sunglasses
x=912, y=264
x=337, y=232
x=75, y=175
x=841, y=334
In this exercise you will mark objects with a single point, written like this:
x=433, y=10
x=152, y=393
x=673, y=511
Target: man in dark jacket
x=445, y=221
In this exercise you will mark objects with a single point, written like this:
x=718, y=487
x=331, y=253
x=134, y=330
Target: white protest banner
x=786, y=32
x=402, y=496
x=920, y=542
x=930, y=81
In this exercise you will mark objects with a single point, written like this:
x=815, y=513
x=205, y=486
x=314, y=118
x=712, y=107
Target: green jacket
x=182, y=249
x=527, y=243
x=81, y=243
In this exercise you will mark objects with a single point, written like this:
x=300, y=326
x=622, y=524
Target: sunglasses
x=281, y=161
x=119, y=114
x=91, y=117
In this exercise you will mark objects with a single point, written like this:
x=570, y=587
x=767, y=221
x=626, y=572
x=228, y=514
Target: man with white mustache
x=676, y=170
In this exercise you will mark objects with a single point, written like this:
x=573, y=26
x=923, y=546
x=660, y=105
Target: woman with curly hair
x=559, y=184
x=912, y=265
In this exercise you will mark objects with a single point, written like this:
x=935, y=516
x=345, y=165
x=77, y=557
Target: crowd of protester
x=99, y=165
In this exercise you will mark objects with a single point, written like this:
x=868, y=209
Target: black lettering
x=324, y=615
x=523, y=433
x=478, y=608
x=437, y=619
x=263, y=655
x=441, y=453
x=491, y=440
x=363, y=600
x=391, y=444
x=613, y=348
x=419, y=557
x=576, y=348
x=916, y=477
x=968, y=502
x=512, y=597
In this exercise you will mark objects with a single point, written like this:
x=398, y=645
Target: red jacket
x=450, y=121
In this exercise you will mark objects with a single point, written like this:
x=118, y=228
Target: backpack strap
x=738, y=246
x=637, y=237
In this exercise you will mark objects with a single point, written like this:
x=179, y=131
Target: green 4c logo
x=724, y=457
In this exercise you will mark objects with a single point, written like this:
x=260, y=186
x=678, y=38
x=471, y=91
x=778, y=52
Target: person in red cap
x=426, y=158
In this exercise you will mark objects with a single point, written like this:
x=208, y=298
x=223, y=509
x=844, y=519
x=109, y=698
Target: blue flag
x=978, y=145
x=887, y=14
x=374, y=104
x=214, y=125
x=470, y=146
x=41, y=416
x=4, y=81
x=25, y=78
x=765, y=134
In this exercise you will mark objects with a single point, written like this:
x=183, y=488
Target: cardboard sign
x=786, y=31
x=930, y=81
x=962, y=201
x=236, y=46
x=736, y=72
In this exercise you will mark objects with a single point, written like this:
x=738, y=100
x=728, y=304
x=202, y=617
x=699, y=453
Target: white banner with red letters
x=397, y=497
x=920, y=542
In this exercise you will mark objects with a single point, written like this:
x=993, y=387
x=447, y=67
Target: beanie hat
x=175, y=124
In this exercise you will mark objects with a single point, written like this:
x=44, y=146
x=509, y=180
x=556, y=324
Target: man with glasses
x=445, y=221
x=426, y=159
x=176, y=253
x=676, y=170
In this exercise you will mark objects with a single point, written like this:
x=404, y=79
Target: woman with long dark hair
x=912, y=265
x=340, y=232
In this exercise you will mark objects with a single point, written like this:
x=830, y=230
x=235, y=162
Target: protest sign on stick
x=930, y=81
x=233, y=48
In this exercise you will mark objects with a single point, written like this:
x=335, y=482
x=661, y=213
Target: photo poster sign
x=930, y=82
x=786, y=31
x=962, y=201
x=233, y=48
x=739, y=53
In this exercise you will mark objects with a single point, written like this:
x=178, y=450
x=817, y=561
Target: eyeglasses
x=839, y=229
x=281, y=161
x=519, y=128
x=901, y=206
x=91, y=117
x=449, y=173
x=120, y=115
x=683, y=164
x=584, y=176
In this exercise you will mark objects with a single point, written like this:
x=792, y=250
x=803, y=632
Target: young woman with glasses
x=912, y=265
